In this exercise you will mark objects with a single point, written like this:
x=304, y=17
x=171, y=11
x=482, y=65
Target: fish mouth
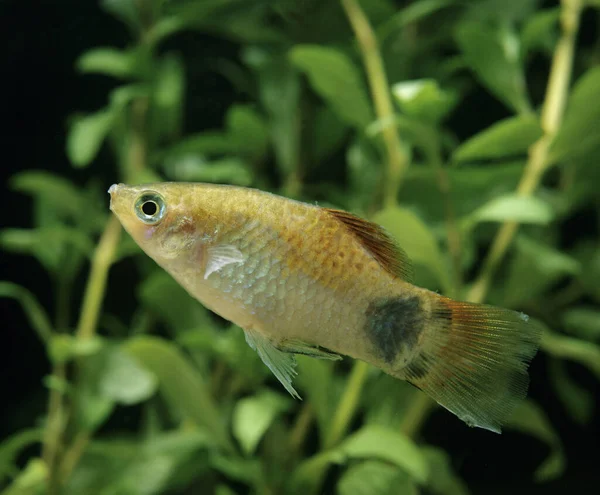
x=113, y=190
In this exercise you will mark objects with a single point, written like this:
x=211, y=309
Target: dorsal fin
x=378, y=243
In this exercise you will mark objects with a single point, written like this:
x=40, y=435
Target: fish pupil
x=149, y=208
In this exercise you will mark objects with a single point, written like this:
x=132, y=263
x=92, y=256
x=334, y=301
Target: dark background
x=40, y=41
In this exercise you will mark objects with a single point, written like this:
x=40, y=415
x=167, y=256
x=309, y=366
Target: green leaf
x=424, y=99
x=63, y=195
x=248, y=131
x=494, y=55
x=513, y=208
x=533, y=270
x=577, y=137
x=193, y=168
x=11, y=447
x=31, y=480
x=375, y=478
x=124, y=10
x=387, y=400
x=164, y=297
x=124, y=380
x=86, y=135
x=583, y=321
x=326, y=135
x=50, y=245
x=38, y=319
x=376, y=442
x=540, y=31
x=561, y=346
x=168, y=97
x=279, y=87
x=578, y=401
x=252, y=417
x=416, y=239
x=180, y=384
x=505, y=138
x=530, y=419
x=64, y=347
x=316, y=380
x=107, y=61
x=337, y=80
x=442, y=479
x=365, y=173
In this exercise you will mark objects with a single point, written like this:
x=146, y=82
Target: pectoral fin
x=220, y=256
x=299, y=347
x=281, y=363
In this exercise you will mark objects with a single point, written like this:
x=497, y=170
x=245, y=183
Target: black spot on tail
x=394, y=324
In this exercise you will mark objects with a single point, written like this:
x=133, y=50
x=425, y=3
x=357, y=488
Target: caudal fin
x=474, y=359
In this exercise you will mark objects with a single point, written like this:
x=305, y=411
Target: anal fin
x=281, y=363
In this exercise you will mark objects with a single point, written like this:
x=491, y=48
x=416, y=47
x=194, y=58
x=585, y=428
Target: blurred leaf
x=31, y=480
x=505, y=138
x=505, y=10
x=578, y=402
x=337, y=80
x=389, y=445
x=164, y=297
x=49, y=245
x=316, y=380
x=412, y=13
x=582, y=321
x=442, y=479
x=576, y=137
x=540, y=31
x=107, y=61
x=208, y=143
x=494, y=55
x=168, y=97
x=86, y=135
x=530, y=419
x=375, y=478
x=279, y=89
x=193, y=168
x=387, y=400
x=237, y=468
x=424, y=99
x=582, y=352
x=326, y=135
x=534, y=268
x=513, y=208
x=63, y=195
x=36, y=314
x=365, y=173
x=64, y=347
x=124, y=10
x=11, y=447
x=180, y=384
x=253, y=415
x=416, y=239
x=123, y=379
x=247, y=131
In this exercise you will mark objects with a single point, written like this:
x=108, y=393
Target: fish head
x=160, y=218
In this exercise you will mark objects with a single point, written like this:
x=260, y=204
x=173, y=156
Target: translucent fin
x=282, y=364
x=299, y=347
x=473, y=360
x=378, y=242
x=220, y=256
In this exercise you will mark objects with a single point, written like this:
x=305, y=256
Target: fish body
x=298, y=278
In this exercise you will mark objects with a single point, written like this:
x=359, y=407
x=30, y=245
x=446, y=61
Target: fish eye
x=150, y=208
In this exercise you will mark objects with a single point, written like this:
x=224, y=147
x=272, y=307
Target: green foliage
x=309, y=123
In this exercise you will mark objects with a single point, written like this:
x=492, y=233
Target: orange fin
x=473, y=360
x=377, y=242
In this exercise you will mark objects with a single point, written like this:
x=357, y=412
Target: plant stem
x=378, y=83
x=53, y=432
x=552, y=112
x=551, y=117
x=348, y=403
x=94, y=292
x=301, y=426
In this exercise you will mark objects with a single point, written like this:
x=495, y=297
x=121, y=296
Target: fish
x=299, y=278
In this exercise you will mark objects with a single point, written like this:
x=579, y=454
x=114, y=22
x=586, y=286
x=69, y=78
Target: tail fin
x=474, y=359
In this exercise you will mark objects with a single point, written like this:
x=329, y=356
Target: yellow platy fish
x=301, y=279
